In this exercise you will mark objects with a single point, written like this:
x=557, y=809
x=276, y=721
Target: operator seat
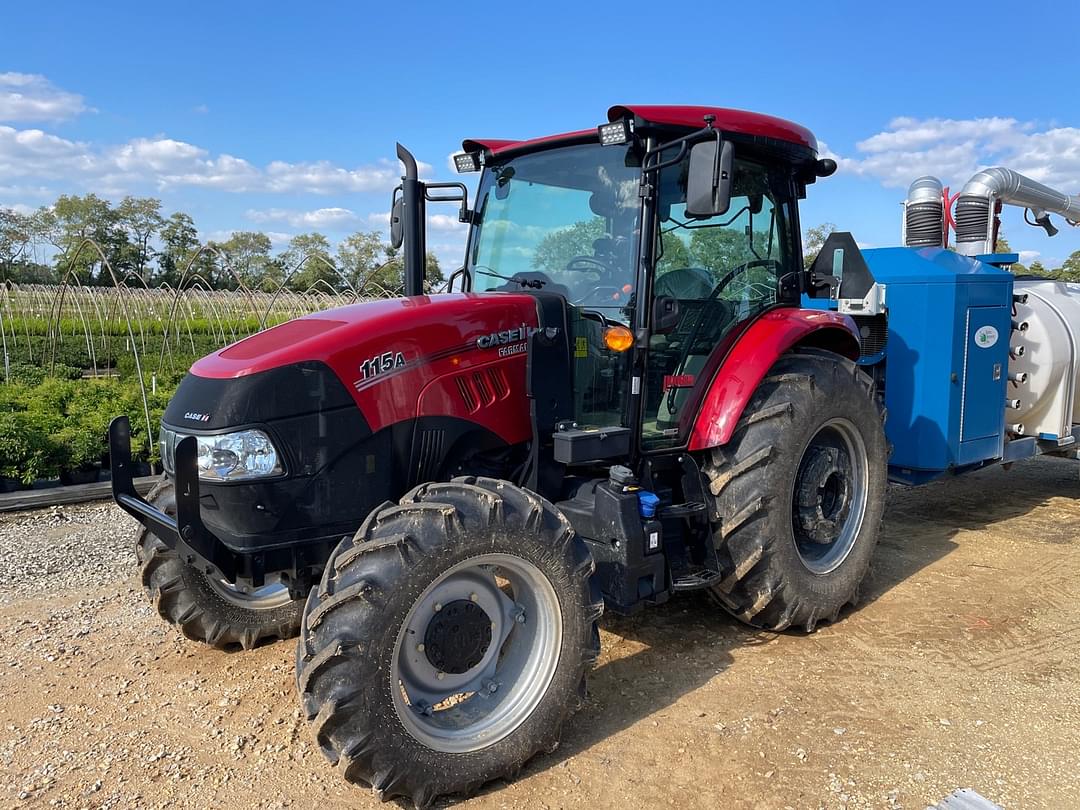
x=685, y=283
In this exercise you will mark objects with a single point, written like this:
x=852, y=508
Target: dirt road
x=961, y=668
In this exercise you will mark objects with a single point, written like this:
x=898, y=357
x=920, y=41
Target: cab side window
x=722, y=270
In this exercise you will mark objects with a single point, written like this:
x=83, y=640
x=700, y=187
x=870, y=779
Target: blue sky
x=283, y=117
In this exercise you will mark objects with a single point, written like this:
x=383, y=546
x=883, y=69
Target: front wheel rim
x=267, y=597
x=476, y=653
x=830, y=496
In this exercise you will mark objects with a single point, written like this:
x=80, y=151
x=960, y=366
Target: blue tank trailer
x=941, y=335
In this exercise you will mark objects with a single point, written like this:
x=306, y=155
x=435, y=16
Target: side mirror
x=665, y=314
x=708, y=184
x=397, y=233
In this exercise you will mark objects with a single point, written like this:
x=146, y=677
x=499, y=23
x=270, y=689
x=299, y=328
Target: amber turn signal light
x=618, y=338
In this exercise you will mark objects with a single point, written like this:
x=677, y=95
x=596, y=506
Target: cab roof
x=689, y=117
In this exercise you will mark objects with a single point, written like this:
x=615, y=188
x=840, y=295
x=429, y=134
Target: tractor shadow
x=921, y=522
x=649, y=661
x=653, y=659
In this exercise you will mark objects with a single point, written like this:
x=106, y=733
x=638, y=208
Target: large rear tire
x=449, y=640
x=203, y=608
x=800, y=490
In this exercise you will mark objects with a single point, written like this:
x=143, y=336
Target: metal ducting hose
x=973, y=224
x=924, y=214
x=974, y=214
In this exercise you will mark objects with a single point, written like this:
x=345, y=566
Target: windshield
x=563, y=220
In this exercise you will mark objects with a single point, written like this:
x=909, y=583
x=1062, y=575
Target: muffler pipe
x=1017, y=351
x=1019, y=377
x=1012, y=404
x=1020, y=326
x=1016, y=430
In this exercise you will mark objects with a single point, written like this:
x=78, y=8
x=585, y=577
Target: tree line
x=139, y=242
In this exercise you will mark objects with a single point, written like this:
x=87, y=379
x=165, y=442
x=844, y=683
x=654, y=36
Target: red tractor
x=441, y=493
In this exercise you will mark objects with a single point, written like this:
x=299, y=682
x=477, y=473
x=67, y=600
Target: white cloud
x=278, y=239
x=165, y=163
x=200, y=109
x=445, y=223
x=1028, y=256
x=36, y=192
x=19, y=208
x=322, y=177
x=318, y=219
x=954, y=149
x=31, y=97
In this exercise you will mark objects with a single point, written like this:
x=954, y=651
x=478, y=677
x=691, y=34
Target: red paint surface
x=437, y=336
x=727, y=120
x=750, y=359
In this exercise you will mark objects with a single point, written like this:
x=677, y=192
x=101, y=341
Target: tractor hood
x=397, y=358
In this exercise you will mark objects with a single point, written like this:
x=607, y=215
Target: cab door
x=722, y=272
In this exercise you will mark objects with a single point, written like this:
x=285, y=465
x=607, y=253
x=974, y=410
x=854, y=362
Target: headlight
x=229, y=456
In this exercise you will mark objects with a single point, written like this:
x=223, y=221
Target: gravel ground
x=961, y=669
x=64, y=548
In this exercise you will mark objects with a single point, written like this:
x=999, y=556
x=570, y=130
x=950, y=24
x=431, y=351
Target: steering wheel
x=742, y=268
x=684, y=283
x=602, y=295
x=585, y=264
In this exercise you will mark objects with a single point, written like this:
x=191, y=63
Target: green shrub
x=57, y=425
x=27, y=449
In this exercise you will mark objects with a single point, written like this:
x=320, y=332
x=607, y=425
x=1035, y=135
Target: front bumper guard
x=187, y=535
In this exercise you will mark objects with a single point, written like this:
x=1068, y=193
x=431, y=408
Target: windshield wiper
x=532, y=283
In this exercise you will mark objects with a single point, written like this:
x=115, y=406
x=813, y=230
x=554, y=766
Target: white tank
x=1043, y=367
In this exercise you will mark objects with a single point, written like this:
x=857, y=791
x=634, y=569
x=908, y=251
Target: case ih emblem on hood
x=516, y=336
x=192, y=416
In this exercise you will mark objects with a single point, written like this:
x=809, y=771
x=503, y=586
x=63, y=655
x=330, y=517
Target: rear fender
x=757, y=349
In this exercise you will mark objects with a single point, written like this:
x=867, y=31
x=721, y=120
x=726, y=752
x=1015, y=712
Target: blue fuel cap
x=647, y=503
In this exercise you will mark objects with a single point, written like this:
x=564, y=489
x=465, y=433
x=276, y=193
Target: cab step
x=699, y=578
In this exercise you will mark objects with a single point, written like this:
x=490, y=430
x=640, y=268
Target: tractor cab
x=663, y=232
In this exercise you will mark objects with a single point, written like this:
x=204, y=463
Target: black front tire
x=354, y=625
x=770, y=580
x=184, y=596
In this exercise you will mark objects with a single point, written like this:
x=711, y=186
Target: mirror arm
x=466, y=280
x=684, y=143
x=464, y=214
x=683, y=146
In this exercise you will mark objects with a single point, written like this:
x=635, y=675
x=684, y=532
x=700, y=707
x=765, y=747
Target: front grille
x=429, y=454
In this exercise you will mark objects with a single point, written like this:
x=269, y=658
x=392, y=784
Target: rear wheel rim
x=476, y=653
x=830, y=496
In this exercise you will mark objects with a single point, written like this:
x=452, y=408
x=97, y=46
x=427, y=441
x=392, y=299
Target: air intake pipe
x=975, y=207
x=924, y=214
